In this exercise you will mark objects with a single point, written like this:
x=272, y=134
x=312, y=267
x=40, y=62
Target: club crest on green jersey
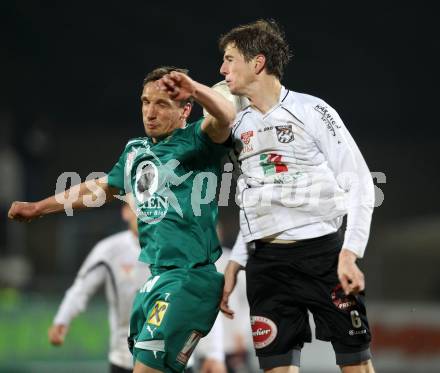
x=147, y=176
x=150, y=184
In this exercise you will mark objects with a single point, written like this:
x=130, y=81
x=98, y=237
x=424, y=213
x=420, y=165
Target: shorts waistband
x=316, y=244
x=277, y=241
x=203, y=267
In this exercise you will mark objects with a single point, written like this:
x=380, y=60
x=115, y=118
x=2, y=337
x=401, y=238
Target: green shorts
x=170, y=314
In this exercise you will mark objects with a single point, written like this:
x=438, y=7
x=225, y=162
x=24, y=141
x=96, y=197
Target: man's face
x=237, y=72
x=160, y=114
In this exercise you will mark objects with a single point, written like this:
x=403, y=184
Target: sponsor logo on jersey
x=157, y=313
x=188, y=348
x=153, y=205
x=284, y=178
x=152, y=184
x=246, y=137
x=328, y=119
x=272, y=164
x=341, y=300
x=264, y=331
x=265, y=129
x=285, y=133
x=357, y=332
x=146, y=181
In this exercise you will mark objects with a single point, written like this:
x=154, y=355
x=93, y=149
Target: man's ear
x=186, y=111
x=260, y=63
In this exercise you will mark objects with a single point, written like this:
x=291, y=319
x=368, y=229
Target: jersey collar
x=283, y=95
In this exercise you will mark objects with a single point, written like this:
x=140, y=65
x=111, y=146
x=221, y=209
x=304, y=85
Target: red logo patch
x=342, y=301
x=246, y=136
x=264, y=331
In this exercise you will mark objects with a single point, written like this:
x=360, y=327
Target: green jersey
x=173, y=183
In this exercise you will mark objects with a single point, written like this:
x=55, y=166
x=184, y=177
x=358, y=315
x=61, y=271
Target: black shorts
x=284, y=282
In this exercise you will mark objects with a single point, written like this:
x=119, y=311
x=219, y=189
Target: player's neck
x=264, y=94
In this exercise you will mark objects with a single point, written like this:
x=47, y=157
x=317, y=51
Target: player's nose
x=151, y=112
x=223, y=69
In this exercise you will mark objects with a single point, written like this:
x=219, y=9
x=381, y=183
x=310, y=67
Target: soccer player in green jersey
x=172, y=173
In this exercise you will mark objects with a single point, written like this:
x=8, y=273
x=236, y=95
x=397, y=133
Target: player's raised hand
x=178, y=86
x=24, y=211
x=350, y=276
x=57, y=334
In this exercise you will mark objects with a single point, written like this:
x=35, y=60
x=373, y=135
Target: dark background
x=71, y=75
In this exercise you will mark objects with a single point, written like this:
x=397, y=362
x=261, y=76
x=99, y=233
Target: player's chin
x=234, y=90
x=153, y=131
x=231, y=87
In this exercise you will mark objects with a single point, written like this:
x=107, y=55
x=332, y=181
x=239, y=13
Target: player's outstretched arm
x=222, y=112
x=86, y=195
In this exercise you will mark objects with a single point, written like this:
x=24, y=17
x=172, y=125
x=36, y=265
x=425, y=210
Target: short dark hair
x=159, y=72
x=262, y=36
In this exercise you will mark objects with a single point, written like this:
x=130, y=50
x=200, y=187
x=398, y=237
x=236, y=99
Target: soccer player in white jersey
x=302, y=173
x=113, y=262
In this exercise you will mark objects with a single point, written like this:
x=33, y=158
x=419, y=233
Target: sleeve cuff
x=355, y=246
x=61, y=320
x=240, y=259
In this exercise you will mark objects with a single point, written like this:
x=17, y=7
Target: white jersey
x=301, y=173
x=113, y=262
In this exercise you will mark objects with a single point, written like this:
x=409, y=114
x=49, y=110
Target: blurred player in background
x=179, y=303
x=114, y=263
x=302, y=173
